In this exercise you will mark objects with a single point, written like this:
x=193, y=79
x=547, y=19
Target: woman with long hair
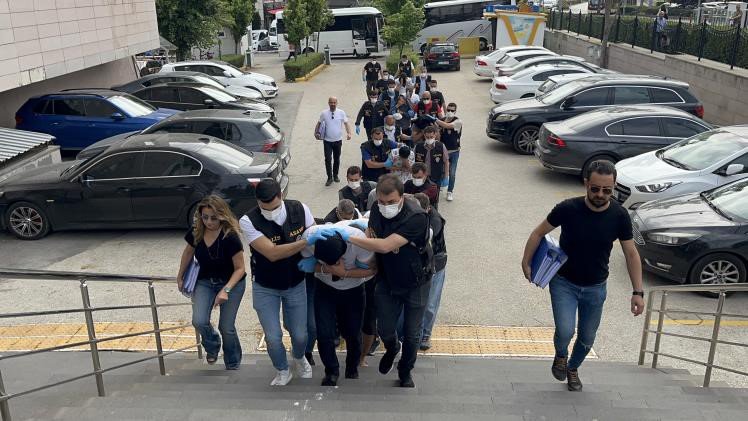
x=214, y=241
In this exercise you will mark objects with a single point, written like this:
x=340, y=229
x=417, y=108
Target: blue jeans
x=311, y=324
x=432, y=307
x=267, y=303
x=202, y=304
x=454, y=157
x=566, y=299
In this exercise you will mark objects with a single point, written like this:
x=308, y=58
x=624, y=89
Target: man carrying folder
x=589, y=226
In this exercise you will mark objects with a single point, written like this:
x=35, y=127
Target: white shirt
x=333, y=123
x=251, y=233
x=352, y=254
x=397, y=165
x=390, y=134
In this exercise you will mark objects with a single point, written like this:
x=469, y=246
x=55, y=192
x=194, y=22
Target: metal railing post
x=589, y=25
x=715, y=336
x=568, y=24
x=579, y=24
x=636, y=29
x=602, y=31
x=702, y=36
x=660, y=321
x=156, y=328
x=678, y=29
x=561, y=21
x=92, y=337
x=199, y=347
x=645, y=331
x=618, y=28
x=4, y=408
x=654, y=37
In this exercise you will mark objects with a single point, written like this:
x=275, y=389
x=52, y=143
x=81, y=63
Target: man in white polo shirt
x=329, y=129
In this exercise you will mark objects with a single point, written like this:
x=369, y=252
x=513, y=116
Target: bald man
x=329, y=129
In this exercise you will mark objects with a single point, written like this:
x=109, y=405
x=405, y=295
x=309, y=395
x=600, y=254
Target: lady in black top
x=214, y=241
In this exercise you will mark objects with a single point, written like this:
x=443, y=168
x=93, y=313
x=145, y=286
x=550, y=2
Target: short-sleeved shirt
x=404, y=174
x=333, y=123
x=587, y=238
x=216, y=261
x=372, y=71
x=251, y=233
x=352, y=254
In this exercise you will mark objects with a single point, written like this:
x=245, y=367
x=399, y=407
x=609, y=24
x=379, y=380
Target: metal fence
x=721, y=43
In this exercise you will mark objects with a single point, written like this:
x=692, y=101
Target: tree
x=606, y=33
x=297, y=27
x=240, y=15
x=319, y=17
x=189, y=23
x=391, y=7
x=402, y=28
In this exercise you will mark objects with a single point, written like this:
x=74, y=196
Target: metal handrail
x=714, y=340
x=93, y=341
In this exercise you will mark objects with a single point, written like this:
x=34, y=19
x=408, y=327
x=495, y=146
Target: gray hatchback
x=613, y=133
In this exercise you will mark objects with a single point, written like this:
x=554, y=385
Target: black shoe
x=407, y=381
x=309, y=357
x=330, y=380
x=573, y=382
x=329, y=181
x=425, y=344
x=337, y=342
x=374, y=346
x=559, y=368
x=351, y=373
x=337, y=180
x=385, y=364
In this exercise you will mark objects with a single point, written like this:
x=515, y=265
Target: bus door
x=358, y=26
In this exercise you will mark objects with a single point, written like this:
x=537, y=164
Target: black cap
x=330, y=250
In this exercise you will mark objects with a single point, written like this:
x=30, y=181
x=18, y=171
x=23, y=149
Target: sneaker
x=329, y=181
x=559, y=368
x=450, y=196
x=330, y=380
x=303, y=368
x=374, y=346
x=337, y=180
x=388, y=359
x=573, y=382
x=310, y=357
x=407, y=381
x=351, y=373
x=282, y=378
x=425, y=344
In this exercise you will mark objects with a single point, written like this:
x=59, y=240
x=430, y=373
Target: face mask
x=273, y=214
x=423, y=74
x=434, y=89
x=389, y=211
x=354, y=184
x=373, y=62
x=418, y=182
x=391, y=90
x=373, y=100
x=389, y=127
x=426, y=101
x=450, y=114
x=385, y=77
x=405, y=61
x=377, y=142
x=430, y=141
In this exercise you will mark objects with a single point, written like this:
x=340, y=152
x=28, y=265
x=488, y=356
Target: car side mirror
x=733, y=169
x=208, y=102
x=226, y=73
x=117, y=116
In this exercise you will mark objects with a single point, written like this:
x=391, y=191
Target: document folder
x=547, y=261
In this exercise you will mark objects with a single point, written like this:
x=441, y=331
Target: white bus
x=355, y=32
x=448, y=21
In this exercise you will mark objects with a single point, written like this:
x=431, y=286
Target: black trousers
x=344, y=309
x=370, y=85
x=332, y=157
x=370, y=309
x=412, y=304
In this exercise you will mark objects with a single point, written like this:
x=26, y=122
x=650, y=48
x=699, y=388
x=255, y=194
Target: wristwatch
x=639, y=293
x=227, y=290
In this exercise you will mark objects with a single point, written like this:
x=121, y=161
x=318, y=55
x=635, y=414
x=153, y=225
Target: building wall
x=720, y=89
x=44, y=39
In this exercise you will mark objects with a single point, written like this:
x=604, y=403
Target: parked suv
x=518, y=122
x=229, y=74
x=442, y=54
x=78, y=118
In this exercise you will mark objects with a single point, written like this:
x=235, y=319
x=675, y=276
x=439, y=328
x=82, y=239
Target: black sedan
x=441, y=55
x=699, y=238
x=186, y=96
x=148, y=181
x=518, y=122
x=613, y=133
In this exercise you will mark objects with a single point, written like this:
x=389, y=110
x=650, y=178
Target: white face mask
x=426, y=101
x=405, y=61
x=450, y=114
x=373, y=101
x=354, y=184
x=272, y=215
x=423, y=74
x=389, y=127
x=430, y=141
x=418, y=182
x=377, y=142
x=373, y=62
x=434, y=89
x=391, y=90
x=389, y=211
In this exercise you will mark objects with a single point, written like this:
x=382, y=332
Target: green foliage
x=235, y=59
x=297, y=27
x=402, y=28
x=391, y=7
x=318, y=17
x=239, y=16
x=189, y=23
x=302, y=65
x=394, y=58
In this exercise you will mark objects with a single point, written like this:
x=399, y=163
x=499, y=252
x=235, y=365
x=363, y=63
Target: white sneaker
x=282, y=378
x=303, y=368
x=450, y=196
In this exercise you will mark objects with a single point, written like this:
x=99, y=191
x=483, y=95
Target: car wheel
x=191, y=217
x=525, y=138
x=483, y=44
x=718, y=269
x=597, y=158
x=27, y=221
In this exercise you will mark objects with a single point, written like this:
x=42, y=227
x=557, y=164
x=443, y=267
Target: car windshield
x=560, y=93
x=547, y=86
x=235, y=72
x=503, y=59
x=227, y=156
x=132, y=106
x=732, y=199
x=442, y=49
x=703, y=150
x=207, y=80
x=219, y=95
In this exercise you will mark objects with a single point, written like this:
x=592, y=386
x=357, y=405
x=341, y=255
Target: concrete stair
x=447, y=388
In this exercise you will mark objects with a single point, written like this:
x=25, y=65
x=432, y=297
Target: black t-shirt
x=587, y=238
x=372, y=71
x=216, y=261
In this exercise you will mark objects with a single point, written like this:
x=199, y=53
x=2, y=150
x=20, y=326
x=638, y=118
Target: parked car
x=554, y=81
x=524, y=83
x=550, y=4
x=197, y=96
x=78, y=118
x=148, y=181
x=485, y=65
x=518, y=122
x=570, y=60
x=254, y=133
x=693, y=165
x=228, y=74
x=441, y=55
x=167, y=77
x=697, y=238
x=150, y=67
x=514, y=58
x=612, y=133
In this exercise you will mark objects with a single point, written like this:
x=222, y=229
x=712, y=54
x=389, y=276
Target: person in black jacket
x=366, y=112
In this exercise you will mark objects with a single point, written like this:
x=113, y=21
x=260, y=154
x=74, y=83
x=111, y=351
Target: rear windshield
x=443, y=49
x=227, y=156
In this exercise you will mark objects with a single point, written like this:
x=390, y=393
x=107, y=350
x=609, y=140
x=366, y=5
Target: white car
x=228, y=74
x=557, y=80
x=550, y=4
x=524, y=83
x=485, y=65
x=699, y=163
x=573, y=60
x=514, y=58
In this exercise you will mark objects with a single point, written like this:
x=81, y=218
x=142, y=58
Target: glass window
x=665, y=96
x=682, y=128
x=631, y=95
x=169, y=164
x=271, y=130
x=183, y=68
x=164, y=94
x=442, y=49
x=219, y=95
x=192, y=96
x=213, y=71
x=615, y=129
x=649, y=127
x=43, y=107
x=157, y=80
x=207, y=80
x=561, y=92
x=175, y=127
x=231, y=158
x=731, y=199
x=233, y=134
x=99, y=108
x=210, y=128
x=124, y=165
x=591, y=98
x=131, y=105
x=703, y=150
x=70, y=106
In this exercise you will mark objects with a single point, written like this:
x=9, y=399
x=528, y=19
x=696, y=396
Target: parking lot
x=499, y=198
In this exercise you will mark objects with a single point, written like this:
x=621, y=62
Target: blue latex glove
x=358, y=129
x=445, y=182
x=360, y=224
x=320, y=234
x=307, y=265
x=388, y=162
x=411, y=113
x=361, y=265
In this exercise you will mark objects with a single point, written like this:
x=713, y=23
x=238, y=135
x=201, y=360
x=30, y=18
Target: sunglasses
x=606, y=190
x=209, y=218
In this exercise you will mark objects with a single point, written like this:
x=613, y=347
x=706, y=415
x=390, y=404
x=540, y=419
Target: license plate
x=443, y=62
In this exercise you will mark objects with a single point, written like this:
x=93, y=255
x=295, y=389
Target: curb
x=311, y=74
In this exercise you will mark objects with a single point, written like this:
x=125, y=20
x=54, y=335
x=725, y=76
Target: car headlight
x=505, y=117
x=672, y=238
x=656, y=187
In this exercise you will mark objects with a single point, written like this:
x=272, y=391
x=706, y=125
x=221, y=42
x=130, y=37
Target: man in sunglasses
x=589, y=226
